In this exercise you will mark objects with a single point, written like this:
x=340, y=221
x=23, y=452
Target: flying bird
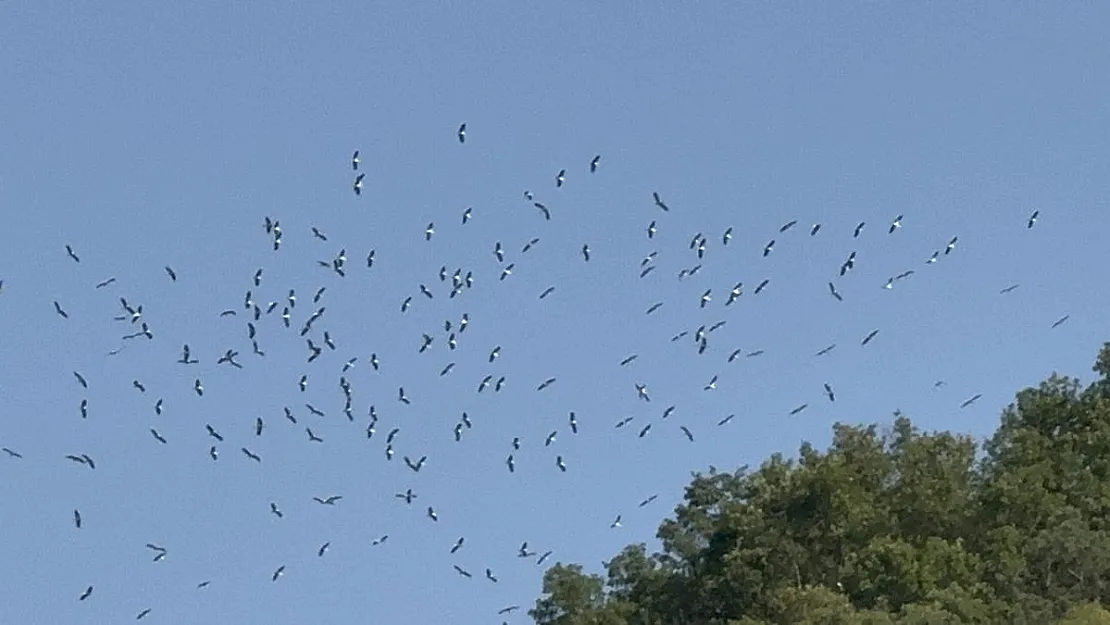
x=72, y=254
x=971, y=400
x=659, y=201
x=357, y=188
x=896, y=224
x=1032, y=219
x=594, y=163
x=462, y=133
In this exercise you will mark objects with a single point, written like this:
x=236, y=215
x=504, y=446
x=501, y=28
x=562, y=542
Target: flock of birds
x=300, y=319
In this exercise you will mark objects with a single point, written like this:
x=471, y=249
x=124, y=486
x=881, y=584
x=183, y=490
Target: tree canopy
x=901, y=527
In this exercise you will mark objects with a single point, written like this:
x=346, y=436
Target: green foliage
x=900, y=528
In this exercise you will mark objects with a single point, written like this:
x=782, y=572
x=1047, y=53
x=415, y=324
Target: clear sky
x=153, y=134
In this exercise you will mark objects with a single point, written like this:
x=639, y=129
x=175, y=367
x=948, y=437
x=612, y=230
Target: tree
x=901, y=528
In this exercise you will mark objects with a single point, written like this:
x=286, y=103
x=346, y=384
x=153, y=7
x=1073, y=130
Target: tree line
x=892, y=526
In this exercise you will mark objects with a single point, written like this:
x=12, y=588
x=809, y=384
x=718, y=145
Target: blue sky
x=146, y=135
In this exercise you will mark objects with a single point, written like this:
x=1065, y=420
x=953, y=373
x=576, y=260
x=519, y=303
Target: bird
x=829, y=392
x=416, y=466
x=799, y=409
x=871, y=335
x=971, y=400
x=616, y=522
x=77, y=518
x=198, y=388
x=858, y=230
x=896, y=224
x=61, y=312
x=462, y=133
x=72, y=254
x=323, y=548
x=357, y=188
x=848, y=264
x=248, y=453
x=85, y=595
x=767, y=249
x=142, y=614
x=951, y=245
x=659, y=201
x=1059, y=322
x=1032, y=219
x=354, y=161
x=594, y=163
x=275, y=511
x=327, y=501
x=560, y=178
x=171, y=273
x=835, y=293
x=429, y=231
x=586, y=252
x=277, y=573
x=466, y=215
x=458, y=544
